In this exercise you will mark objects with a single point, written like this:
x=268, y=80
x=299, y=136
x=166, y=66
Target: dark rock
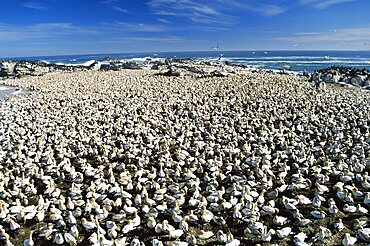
x=130, y=65
x=155, y=67
x=167, y=62
x=348, y=75
x=110, y=58
x=169, y=72
x=95, y=66
x=357, y=81
x=195, y=70
x=7, y=68
x=217, y=73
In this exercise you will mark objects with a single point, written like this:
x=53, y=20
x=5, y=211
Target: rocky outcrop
x=217, y=73
x=9, y=69
x=118, y=65
x=343, y=75
x=95, y=66
x=169, y=72
x=22, y=68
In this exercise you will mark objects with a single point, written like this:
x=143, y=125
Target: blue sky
x=56, y=27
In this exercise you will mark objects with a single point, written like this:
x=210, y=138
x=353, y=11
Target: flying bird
x=215, y=48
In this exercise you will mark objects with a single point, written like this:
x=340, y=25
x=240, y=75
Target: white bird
x=364, y=234
x=71, y=219
x=284, y=232
x=318, y=214
x=151, y=223
x=338, y=226
x=367, y=198
x=348, y=240
x=128, y=227
x=70, y=239
x=323, y=233
x=29, y=241
x=176, y=233
x=205, y=235
x=13, y=225
x=221, y=237
x=279, y=220
x=266, y=235
x=300, y=237
x=93, y=239
x=46, y=231
x=89, y=225
x=156, y=242
x=58, y=238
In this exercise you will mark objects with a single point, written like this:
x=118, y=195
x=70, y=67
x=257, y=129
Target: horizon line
x=183, y=51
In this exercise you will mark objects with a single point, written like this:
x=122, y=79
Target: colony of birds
x=133, y=158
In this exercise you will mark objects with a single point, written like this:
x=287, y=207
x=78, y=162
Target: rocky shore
x=344, y=76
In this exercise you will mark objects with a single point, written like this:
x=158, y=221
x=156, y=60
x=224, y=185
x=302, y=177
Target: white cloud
x=67, y=38
x=137, y=27
x=120, y=9
x=110, y=1
x=128, y=40
x=190, y=9
x=113, y=4
x=306, y=33
x=163, y=20
x=322, y=4
x=341, y=35
x=258, y=7
x=212, y=28
x=43, y=31
x=266, y=9
x=220, y=12
x=34, y=5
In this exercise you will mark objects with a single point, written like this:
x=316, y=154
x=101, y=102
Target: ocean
x=298, y=61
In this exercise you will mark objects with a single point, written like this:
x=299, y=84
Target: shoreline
x=342, y=76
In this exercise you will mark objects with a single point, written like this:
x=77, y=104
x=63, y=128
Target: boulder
x=345, y=79
x=169, y=72
x=23, y=68
x=7, y=68
x=109, y=67
x=328, y=78
x=316, y=77
x=155, y=67
x=167, y=62
x=95, y=66
x=217, y=73
x=343, y=75
x=194, y=70
x=41, y=69
x=357, y=81
x=130, y=65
